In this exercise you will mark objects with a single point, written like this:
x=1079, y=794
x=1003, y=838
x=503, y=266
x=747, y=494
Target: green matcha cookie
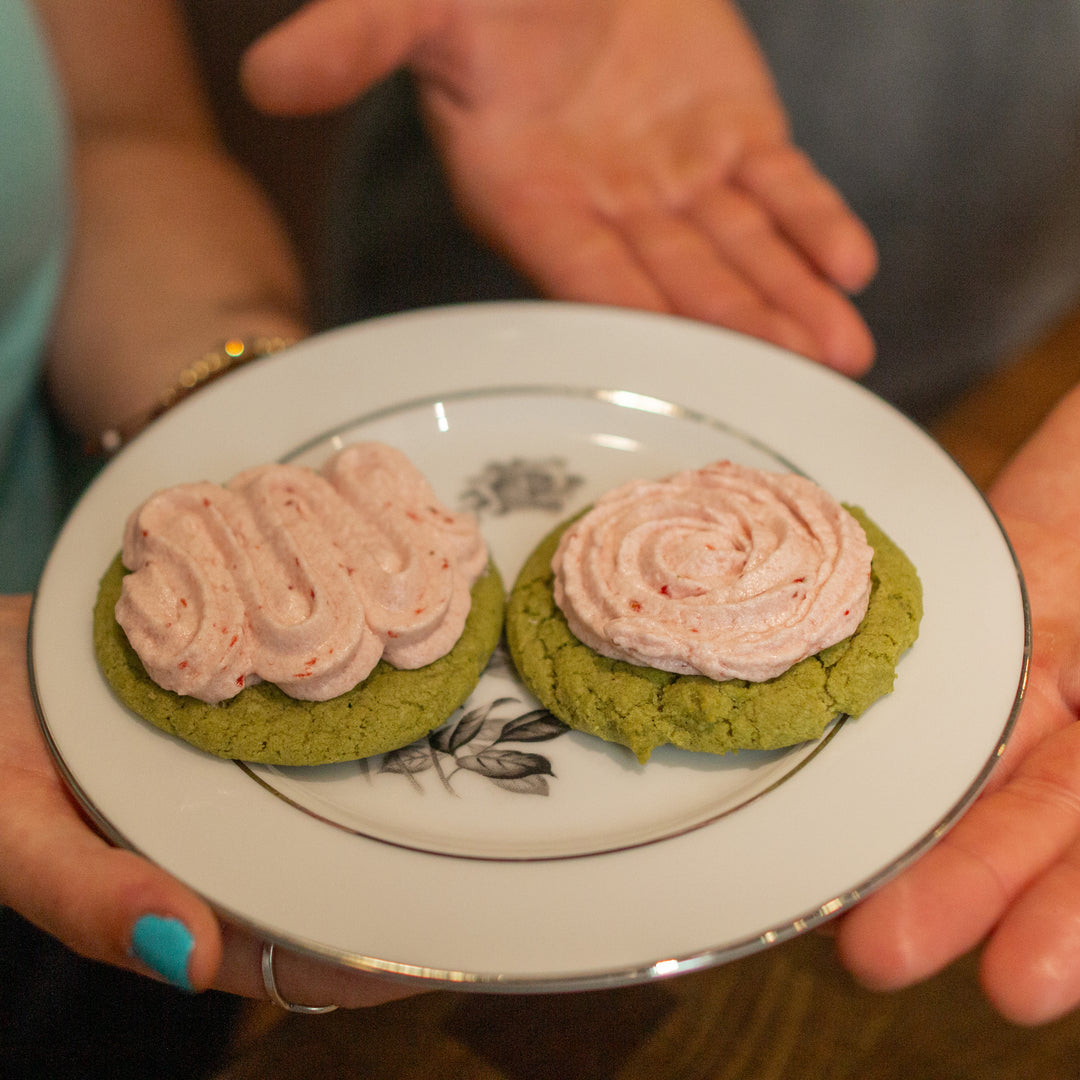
x=643, y=708
x=389, y=709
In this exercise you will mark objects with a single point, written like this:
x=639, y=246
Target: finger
x=1031, y=966
x=104, y=903
x=329, y=51
x=811, y=212
x=686, y=268
x=747, y=240
x=303, y=980
x=1046, y=710
x=950, y=899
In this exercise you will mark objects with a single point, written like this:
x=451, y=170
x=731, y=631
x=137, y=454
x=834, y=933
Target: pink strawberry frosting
x=726, y=571
x=300, y=578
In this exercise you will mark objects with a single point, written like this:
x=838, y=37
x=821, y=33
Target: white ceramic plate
x=501, y=862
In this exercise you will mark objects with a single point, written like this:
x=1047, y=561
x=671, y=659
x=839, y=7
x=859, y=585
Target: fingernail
x=164, y=946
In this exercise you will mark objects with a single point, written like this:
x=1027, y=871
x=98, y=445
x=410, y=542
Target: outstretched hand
x=1009, y=871
x=56, y=871
x=631, y=152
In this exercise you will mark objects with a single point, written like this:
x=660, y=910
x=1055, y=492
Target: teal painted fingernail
x=164, y=946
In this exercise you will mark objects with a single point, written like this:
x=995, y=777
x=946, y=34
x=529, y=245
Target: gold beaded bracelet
x=233, y=353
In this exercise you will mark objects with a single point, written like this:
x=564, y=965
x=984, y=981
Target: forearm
x=174, y=251
x=174, y=248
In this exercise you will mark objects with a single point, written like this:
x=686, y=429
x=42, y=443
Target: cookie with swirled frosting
x=721, y=609
x=296, y=617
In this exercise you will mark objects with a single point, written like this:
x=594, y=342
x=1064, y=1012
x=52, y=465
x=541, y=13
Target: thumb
x=330, y=51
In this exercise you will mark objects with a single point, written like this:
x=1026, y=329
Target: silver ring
x=275, y=995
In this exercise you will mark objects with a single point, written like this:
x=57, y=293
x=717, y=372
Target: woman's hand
x=1009, y=871
x=109, y=904
x=620, y=151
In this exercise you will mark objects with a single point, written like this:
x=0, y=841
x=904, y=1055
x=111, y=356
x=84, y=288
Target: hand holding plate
x=1009, y=871
x=107, y=903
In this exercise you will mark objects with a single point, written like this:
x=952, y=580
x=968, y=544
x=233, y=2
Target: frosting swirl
x=726, y=571
x=304, y=579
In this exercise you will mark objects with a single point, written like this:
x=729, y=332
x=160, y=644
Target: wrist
x=232, y=353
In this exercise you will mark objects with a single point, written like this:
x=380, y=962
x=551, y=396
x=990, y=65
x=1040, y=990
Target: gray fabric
x=953, y=128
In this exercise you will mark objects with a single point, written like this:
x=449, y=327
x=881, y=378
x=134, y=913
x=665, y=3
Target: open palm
x=620, y=151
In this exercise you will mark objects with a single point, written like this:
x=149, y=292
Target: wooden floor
x=790, y=1013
